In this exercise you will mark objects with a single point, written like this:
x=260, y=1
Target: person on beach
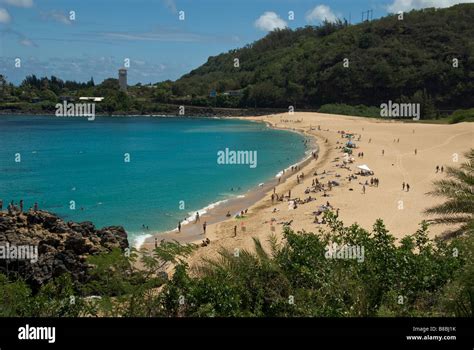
x=179, y=226
x=273, y=197
x=21, y=205
x=35, y=207
x=235, y=231
x=289, y=194
x=197, y=218
x=437, y=169
x=204, y=226
x=363, y=189
x=442, y=168
x=408, y=188
x=156, y=242
x=383, y=152
x=403, y=186
x=416, y=151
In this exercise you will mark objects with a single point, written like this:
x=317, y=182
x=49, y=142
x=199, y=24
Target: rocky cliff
x=54, y=246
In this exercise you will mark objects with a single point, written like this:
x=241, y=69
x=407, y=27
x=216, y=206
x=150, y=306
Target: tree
x=458, y=189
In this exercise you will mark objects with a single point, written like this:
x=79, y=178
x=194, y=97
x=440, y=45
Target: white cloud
x=4, y=16
x=270, y=21
x=27, y=42
x=19, y=3
x=56, y=16
x=321, y=13
x=171, y=5
x=21, y=38
x=407, y=5
x=152, y=36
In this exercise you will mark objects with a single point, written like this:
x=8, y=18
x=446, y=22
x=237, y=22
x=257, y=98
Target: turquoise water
x=171, y=160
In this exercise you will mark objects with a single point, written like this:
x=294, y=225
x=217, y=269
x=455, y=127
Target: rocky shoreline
x=172, y=111
x=61, y=247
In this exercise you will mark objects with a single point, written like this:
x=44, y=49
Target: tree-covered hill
x=389, y=59
x=425, y=58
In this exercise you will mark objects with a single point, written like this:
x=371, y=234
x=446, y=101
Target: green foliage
x=462, y=115
x=405, y=279
x=127, y=290
x=14, y=297
x=458, y=189
x=386, y=62
x=57, y=298
x=458, y=297
x=403, y=61
x=360, y=110
x=417, y=276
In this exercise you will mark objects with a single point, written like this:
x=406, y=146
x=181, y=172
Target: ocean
x=137, y=171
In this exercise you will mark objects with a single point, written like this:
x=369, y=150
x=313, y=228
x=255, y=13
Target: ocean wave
x=138, y=239
x=192, y=215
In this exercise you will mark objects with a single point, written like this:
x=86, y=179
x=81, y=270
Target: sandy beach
x=397, y=152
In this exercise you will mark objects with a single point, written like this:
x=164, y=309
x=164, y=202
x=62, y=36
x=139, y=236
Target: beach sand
x=401, y=211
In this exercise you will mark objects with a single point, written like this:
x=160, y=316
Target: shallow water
x=173, y=168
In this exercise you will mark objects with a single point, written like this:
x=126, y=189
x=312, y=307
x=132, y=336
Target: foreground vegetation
x=458, y=191
x=418, y=277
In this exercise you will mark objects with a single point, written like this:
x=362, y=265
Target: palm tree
x=458, y=189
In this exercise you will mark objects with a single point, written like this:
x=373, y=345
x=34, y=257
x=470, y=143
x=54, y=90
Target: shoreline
x=435, y=144
x=215, y=213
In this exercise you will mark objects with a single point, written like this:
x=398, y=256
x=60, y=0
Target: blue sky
x=150, y=34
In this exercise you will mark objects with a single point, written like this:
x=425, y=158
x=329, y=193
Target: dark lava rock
x=62, y=247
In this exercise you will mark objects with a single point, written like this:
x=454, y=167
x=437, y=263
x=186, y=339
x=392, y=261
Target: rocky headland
x=55, y=246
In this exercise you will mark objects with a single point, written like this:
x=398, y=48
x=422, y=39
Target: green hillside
x=389, y=59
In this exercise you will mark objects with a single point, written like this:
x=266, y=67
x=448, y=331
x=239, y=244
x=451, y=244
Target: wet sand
x=402, y=211
x=193, y=232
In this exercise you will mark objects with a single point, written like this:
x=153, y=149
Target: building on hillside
x=94, y=99
x=233, y=93
x=66, y=98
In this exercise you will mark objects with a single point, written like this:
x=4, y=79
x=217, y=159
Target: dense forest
x=388, y=59
x=425, y=58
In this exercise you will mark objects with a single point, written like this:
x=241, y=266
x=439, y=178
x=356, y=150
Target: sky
x=160, y=39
